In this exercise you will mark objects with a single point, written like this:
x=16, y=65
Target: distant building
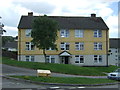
x=10, y=46
x=114, y=57
x=81, y=41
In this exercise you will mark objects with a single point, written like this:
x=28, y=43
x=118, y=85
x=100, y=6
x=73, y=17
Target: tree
x=6, y=39
x=44, y=33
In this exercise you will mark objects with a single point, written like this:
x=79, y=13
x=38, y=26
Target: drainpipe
x=107, y=48
x=19, y=45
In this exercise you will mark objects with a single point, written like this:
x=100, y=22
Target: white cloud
x=112, y=22
x=11, y=10
x=10, y=31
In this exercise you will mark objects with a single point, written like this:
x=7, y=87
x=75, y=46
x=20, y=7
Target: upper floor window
x=64, y=46
x=97, y=46
x=79, y=46
x=28, y=32
x=79, y=33
x=50, y=59
x=29, y=46
x=97, y=58
x=97, y=33
x=64, y=33
x=79, y=59
x=30, y=58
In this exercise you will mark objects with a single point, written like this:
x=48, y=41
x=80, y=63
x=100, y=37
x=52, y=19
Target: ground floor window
x=50, y=59
x=30, y=58
x=79, y=59
x=97, y=58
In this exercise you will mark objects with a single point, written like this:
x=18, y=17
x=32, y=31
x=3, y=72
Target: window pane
x=67, y=46
x=100, y=34
x=78, y=33
x=27, y=45
x=81, y=46
x=32, y=47
x=100, y=58
x=62, y=46
x=28, y=33
x=47, y=59
x=81, y=33
x=32, y=58
x=95, y=58
x=81, y=59
x=52, y=60
x=77, y=59
x=62, y=33
x=97, y=33
x=27, y=58
x=66, y=33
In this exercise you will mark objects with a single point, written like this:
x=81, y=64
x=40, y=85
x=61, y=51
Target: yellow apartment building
x=82, y=41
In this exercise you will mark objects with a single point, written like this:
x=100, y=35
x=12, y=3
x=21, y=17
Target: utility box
x=45, y=73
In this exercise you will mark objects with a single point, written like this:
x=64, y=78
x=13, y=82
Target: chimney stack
x=93, y=15
x=30, y=13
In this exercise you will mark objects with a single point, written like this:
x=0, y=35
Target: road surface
x=11, y=70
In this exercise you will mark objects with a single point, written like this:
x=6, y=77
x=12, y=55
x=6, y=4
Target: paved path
x=11, y=70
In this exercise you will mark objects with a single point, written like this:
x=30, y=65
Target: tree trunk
x=44, y=55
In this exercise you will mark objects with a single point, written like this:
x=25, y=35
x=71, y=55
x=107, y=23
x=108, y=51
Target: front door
x=66, y=60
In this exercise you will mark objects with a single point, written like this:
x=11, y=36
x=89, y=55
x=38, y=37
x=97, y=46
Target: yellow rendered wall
x=88, y=40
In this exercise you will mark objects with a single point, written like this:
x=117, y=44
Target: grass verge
x=66, y=80
x=61, y=68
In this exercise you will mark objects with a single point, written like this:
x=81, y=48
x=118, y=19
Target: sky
x=12, y=10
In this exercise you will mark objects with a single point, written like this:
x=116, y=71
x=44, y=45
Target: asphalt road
x=10, y=70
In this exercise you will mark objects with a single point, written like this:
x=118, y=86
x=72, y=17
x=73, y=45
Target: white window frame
x=29, y=46
x=79, y=33
x=98, y=58
x=97, y=45
x=97, y=33
x=30, y=58
x=79, y=46
x=78, y=59
x=64, y=33
x=50, y=59
x=63, y=46
x=28, y=32
x=49, y=49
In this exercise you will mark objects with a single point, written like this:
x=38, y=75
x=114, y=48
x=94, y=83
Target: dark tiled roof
x=10, y=45
x=114, y=42
x=66, y=22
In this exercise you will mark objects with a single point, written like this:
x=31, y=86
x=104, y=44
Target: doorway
x=65, y=59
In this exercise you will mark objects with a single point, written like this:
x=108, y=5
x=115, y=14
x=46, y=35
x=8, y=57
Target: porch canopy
x=64, y=53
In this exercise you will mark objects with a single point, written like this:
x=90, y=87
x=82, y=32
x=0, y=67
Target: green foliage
x=67, y=80
x=62, y=68
x=7, y=39
x=44, y=32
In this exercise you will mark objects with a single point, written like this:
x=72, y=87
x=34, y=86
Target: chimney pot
x=93, y=15
x=30, y=13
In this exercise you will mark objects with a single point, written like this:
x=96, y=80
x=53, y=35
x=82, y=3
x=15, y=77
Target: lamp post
x=1, y=33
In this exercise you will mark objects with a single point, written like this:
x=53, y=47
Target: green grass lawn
x=61, y=68
x=66, y=80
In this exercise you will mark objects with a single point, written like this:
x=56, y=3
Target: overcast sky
x=11, y=11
